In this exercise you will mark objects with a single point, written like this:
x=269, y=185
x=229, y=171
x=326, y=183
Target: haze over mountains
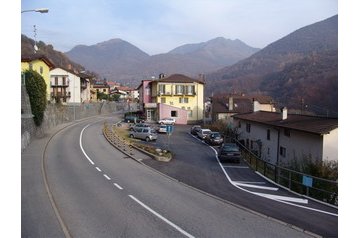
x=119, y=60
x=299, y=70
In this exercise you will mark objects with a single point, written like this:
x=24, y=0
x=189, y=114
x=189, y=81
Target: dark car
x=229, y=152
x=214, y=138
x=194, y=129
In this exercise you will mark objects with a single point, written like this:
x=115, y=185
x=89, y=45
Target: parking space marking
x=255, y=186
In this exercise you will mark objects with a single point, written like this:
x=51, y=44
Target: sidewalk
x=37, y=215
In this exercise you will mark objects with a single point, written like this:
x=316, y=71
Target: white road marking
x=161, y=217
x=255, y=186
x=284, y=198
x=247, y=182
x=268, y=197
x=83, y=151
x=119, y=187
x=236, y=167
x=99, y=170
x=106, y=176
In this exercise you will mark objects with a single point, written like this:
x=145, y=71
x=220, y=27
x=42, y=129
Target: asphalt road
x=100, y=192
x=195, y=164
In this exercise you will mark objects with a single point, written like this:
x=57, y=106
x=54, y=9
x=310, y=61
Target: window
x=56, y=80
x=179, y=89
x=173, y=113
x=183, y=100
x=104, y=90
x=268, y=151
x=190, y=112
x=147, y=91
x=64, y=81
x=22, y=79
x=161, y=88
x=41, y=70
x=268, y=136
x=30, y=66
x=248, y=127
x=282, y=151
x=162, y=100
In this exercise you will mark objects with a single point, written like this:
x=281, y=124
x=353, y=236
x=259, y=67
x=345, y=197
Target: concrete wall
x=57, y=114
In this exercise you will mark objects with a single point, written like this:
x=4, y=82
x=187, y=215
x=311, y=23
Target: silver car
x=144, y=133
x=202, y=133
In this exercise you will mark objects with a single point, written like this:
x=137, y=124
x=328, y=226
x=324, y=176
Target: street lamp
x=41, y=10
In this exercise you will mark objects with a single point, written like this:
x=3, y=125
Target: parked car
x=229, y=152
x=138, y=125
x=214, y=138
x=162, y=129
x=202, y=133
x=194, y=129
x=167, y=121
x=132, y=119
x=144, y=133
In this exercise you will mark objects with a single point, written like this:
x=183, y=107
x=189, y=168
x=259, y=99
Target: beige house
x=281, y=138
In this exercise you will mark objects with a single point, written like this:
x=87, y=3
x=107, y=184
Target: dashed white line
x=162, y=218
x=106, y=176
x=119, y=187
x=99, y=170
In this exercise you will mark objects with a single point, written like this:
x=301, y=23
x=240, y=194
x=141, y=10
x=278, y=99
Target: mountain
x=301, y=65
x=219, y=51
x=110, y=58
x=57, y=57
x=121, y=61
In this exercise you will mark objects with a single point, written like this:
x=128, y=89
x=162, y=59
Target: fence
x=318, y=188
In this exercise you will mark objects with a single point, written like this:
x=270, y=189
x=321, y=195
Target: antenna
x=35, y=46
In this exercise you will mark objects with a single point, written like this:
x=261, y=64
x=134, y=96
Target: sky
x=158, y=26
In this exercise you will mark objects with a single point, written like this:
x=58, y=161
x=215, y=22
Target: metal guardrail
x=317, y=188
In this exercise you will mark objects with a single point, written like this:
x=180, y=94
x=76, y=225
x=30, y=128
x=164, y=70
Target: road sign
x=170, y=129
x=307, y=181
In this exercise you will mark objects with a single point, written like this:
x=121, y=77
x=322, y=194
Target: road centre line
x=99, y=170
x=161, y=217
x=106, y=176
x=119, y=187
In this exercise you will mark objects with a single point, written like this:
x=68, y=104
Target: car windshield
x=230, y=148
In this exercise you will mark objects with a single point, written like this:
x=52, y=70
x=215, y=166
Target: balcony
x=54, y=85
x=60, y=95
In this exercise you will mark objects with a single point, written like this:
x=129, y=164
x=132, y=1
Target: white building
x=280, y=138
x=68, y=86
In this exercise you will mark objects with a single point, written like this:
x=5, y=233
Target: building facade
x=176, y=96
x=41, y=65
x=281, y=138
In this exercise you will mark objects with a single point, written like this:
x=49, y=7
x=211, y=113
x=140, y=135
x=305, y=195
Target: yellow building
x=176, y=96
x=41, y=65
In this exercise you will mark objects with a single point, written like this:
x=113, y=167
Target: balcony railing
x=60, y=95
x=52, y=84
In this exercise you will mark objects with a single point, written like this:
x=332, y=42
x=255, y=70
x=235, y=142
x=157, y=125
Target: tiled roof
x=179, y=78
x=311, y=124
x=33, y=57
x=240, y=105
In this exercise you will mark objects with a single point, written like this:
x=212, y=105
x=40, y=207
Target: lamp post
x=40, y=10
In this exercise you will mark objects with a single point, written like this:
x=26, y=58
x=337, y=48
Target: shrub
x=36, y=89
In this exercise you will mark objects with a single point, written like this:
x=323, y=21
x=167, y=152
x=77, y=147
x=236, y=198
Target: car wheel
x=147, y=139
x=131, y=136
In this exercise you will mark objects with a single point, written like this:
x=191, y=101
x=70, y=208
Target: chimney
x=231, y=103
x=284, y=113
x=161, y=76
x=256, y=105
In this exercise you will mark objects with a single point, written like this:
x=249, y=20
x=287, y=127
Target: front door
x=149, y=114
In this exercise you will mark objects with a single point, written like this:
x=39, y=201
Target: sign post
x=307, y=181
x=170, y=129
